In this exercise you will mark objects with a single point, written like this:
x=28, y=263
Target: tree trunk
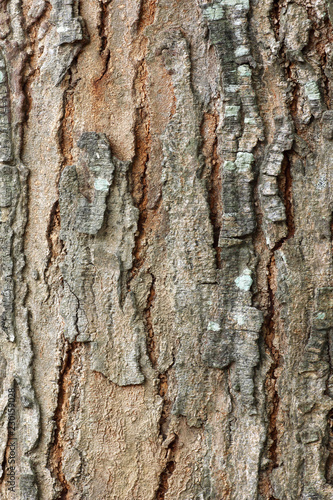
x=166, y=249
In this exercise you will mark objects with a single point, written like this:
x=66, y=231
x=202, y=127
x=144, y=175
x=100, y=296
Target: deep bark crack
x=139, y=168
x=168, y=470
x=102, y=32
x=213, y=166
x=52, y=235
x=285, y=184
x=275, y=17
x=329, y=461
x=148, y=317
x=56, y=452
x=65, y=133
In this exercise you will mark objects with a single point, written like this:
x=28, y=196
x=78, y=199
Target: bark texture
x=166, y=272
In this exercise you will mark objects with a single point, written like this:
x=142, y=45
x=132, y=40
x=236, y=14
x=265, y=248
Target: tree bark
x=166, y=249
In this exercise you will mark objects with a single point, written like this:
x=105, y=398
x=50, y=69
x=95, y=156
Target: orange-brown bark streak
x=147, y=14
x=66, y=141
x=140, y=181
x=56, y=452
x=213, y=174
x=139, y=168
x=149, y=324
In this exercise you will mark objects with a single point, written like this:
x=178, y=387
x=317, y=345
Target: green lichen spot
x=101, y=184
x=213, y=12
x=244, y=70
x=232, y=110
x=244, y=161
x=250, y=120
x=312, y=91
x=240, y=319
x=229, y=165
x=243, y=3
x=213, y=326
x=244, y=281
x=242, y=51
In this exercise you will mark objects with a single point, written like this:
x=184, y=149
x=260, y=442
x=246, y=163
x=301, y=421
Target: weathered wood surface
x=166, y=306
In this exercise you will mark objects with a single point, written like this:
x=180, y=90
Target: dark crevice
x=269, y=333
x=56, y=449
x=167, y=404
x=275, y=17
x=269, y=329
x=65, y=132
x=66, y=144
x=150, y=329
x=215, y=202
x=295, y=94
x=139, y=171
x=103, y=34
x=168, y=470
x=330, y=362
x=285, y=187
x=329, y=461
x=105, y=66
x=272, y=397
x=212, y=172
x=102, y=31
x=140, y=239
x=331, y=231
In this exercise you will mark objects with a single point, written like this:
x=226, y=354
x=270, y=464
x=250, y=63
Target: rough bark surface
x=166, y=272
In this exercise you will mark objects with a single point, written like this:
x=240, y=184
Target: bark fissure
x=103, y=34
x=285, y=187
x=52, y=235
x=168, y=469
x=66, y=140
x=213, y=166
x=66, y=126
x=167, y=404
x=329, y=461
x=270, y=329
x=139, y=176
x=149, y=324
x=180, y=173
x=275, y=17
x=55, y=457
x=57, y=446
x=272, y=376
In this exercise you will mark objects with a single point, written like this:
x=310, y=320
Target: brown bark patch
x=147, y=14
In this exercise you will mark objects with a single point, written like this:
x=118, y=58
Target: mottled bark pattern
x=166, y=273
